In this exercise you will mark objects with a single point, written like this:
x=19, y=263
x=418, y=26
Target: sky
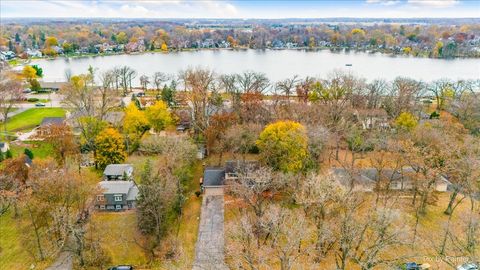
x=240, y=8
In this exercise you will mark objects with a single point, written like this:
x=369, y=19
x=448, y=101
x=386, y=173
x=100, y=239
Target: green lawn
x=40, y=149
x=31, y=118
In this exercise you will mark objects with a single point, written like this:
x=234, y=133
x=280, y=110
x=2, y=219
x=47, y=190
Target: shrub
x=198, y=193
x=28, y=152
x=32, y=99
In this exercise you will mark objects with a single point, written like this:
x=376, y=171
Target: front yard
x=31, y=118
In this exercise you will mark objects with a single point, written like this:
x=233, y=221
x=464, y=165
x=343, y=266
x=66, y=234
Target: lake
x=276, y=64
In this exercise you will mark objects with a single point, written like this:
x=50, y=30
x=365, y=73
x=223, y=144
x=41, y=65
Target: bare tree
x=11, y=91
x=286, y=86
x=250, y=81
x=144, y=81
x=200, y=84
x=108, y=98
x=159, y=78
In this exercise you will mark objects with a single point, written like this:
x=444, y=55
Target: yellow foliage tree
x=158, y=115
x=110, y=148
x=51, y=41
x=283, y=146
x=29, y=73
x=406, y=121
x=135, y=121
x=164, y=47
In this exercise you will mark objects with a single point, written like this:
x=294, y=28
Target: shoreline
x=331, y=49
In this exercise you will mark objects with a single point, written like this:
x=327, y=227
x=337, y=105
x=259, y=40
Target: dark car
x=121, y=267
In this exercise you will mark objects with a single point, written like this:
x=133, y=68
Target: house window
x=118, y=198
x=100, y=198
x=118, y=206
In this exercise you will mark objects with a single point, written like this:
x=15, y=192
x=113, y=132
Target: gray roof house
x=366, y=179
x=117, y=195
x=235, y=167
x=118, y=172
x=212, y=181
x=4, y=147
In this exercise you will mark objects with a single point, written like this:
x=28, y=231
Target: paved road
x=209, y=250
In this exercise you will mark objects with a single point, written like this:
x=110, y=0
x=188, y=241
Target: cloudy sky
x=239, y=8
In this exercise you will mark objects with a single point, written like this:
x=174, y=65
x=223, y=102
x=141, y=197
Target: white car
x=468, y=266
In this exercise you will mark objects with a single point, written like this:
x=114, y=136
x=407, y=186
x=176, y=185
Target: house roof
x=234, y=166
x=213, y=176
x=51, y=85
x=118, y=169
x=114, y=117
x=132, y=193
x=118, y=187
x=52, y=121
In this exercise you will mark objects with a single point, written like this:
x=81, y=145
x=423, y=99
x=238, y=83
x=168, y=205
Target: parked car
x=468, y=266
x=39, y=104
x=416, y=266
x=27, y=90
x=121, y=267
x=141, y=94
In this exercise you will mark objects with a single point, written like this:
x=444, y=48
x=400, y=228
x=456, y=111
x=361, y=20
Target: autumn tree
x=156, y=200
x=135, y=124
x=61, y=138
x=241, y=139
x=283, y=146
x=406, y=121
x=200, y=84
x=216, y=140
x=57, y=208
x=11, y=91
x=158, y=116
x=110, y=148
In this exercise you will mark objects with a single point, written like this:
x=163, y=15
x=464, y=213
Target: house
x=367, y=179
x=113, y=172
x=212, y=181
x=4, y=147
x=235, y=167
x=47, y=122
x=373, y=118
x=34, y=53
x=117, y=195
x=51, y=86
x=114, y=118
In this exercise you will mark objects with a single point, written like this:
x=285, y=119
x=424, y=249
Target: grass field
x=31, y=118
x=39, y=149
x=13, y=254
x=119, y=237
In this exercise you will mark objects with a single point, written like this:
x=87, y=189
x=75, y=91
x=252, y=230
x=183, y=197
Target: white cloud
x=434, y=3
x=384, y=2
x=121, y=9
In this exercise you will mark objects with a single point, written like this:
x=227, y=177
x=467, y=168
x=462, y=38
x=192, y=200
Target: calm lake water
x=276, y=64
